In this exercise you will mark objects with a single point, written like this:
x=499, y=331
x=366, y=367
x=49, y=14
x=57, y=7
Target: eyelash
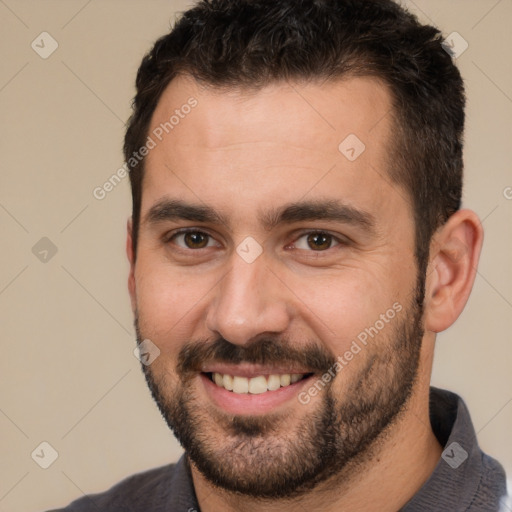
x=169, y=238
x=339, y=241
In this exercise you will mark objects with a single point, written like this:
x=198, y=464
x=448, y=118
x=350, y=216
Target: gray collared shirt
x=465, y=478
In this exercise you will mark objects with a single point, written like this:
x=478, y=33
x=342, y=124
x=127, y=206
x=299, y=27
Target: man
x=295, y=245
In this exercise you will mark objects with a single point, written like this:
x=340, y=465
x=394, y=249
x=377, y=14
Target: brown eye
x=192, y=240
x=316, y=241
x=196, y=240
x=319, y=241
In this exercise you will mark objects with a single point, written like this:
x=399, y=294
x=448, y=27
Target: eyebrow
x=329, y=210
x=175, y=209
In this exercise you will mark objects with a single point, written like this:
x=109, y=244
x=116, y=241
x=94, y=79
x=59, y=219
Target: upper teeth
x=255, y=385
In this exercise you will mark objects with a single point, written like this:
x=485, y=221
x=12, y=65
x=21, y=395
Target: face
x=275, y=273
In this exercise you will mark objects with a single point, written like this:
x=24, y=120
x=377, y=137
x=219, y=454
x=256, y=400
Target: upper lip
x=250, y=370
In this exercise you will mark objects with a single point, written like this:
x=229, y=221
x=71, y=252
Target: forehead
x=280, y=109
x=275, y=144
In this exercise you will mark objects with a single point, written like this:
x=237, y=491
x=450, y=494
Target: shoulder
x=146, y=491
x=491, y=493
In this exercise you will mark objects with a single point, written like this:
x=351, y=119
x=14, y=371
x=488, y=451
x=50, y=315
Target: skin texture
x=245, y=154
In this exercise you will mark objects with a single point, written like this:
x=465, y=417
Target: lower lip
x=247, y=403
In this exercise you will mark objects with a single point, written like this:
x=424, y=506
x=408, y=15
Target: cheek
x=339, y=307
x=169, y=303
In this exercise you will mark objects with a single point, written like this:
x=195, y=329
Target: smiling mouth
x=255, y=385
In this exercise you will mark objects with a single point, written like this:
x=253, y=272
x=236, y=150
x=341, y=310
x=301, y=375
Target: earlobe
x=130, y=254
x=455, y=251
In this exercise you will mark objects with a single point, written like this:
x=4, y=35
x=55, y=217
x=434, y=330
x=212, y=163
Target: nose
x=250, y=301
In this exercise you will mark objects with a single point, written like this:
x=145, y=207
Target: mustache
x=264, y=351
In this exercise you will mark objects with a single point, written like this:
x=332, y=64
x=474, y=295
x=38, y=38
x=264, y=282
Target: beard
x=274, y=457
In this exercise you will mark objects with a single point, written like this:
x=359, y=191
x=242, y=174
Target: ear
x=454, y=254
x=131, y=258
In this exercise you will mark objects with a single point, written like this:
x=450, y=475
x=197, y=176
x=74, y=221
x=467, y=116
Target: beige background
x=68, y=372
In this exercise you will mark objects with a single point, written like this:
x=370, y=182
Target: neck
x=383, y=478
